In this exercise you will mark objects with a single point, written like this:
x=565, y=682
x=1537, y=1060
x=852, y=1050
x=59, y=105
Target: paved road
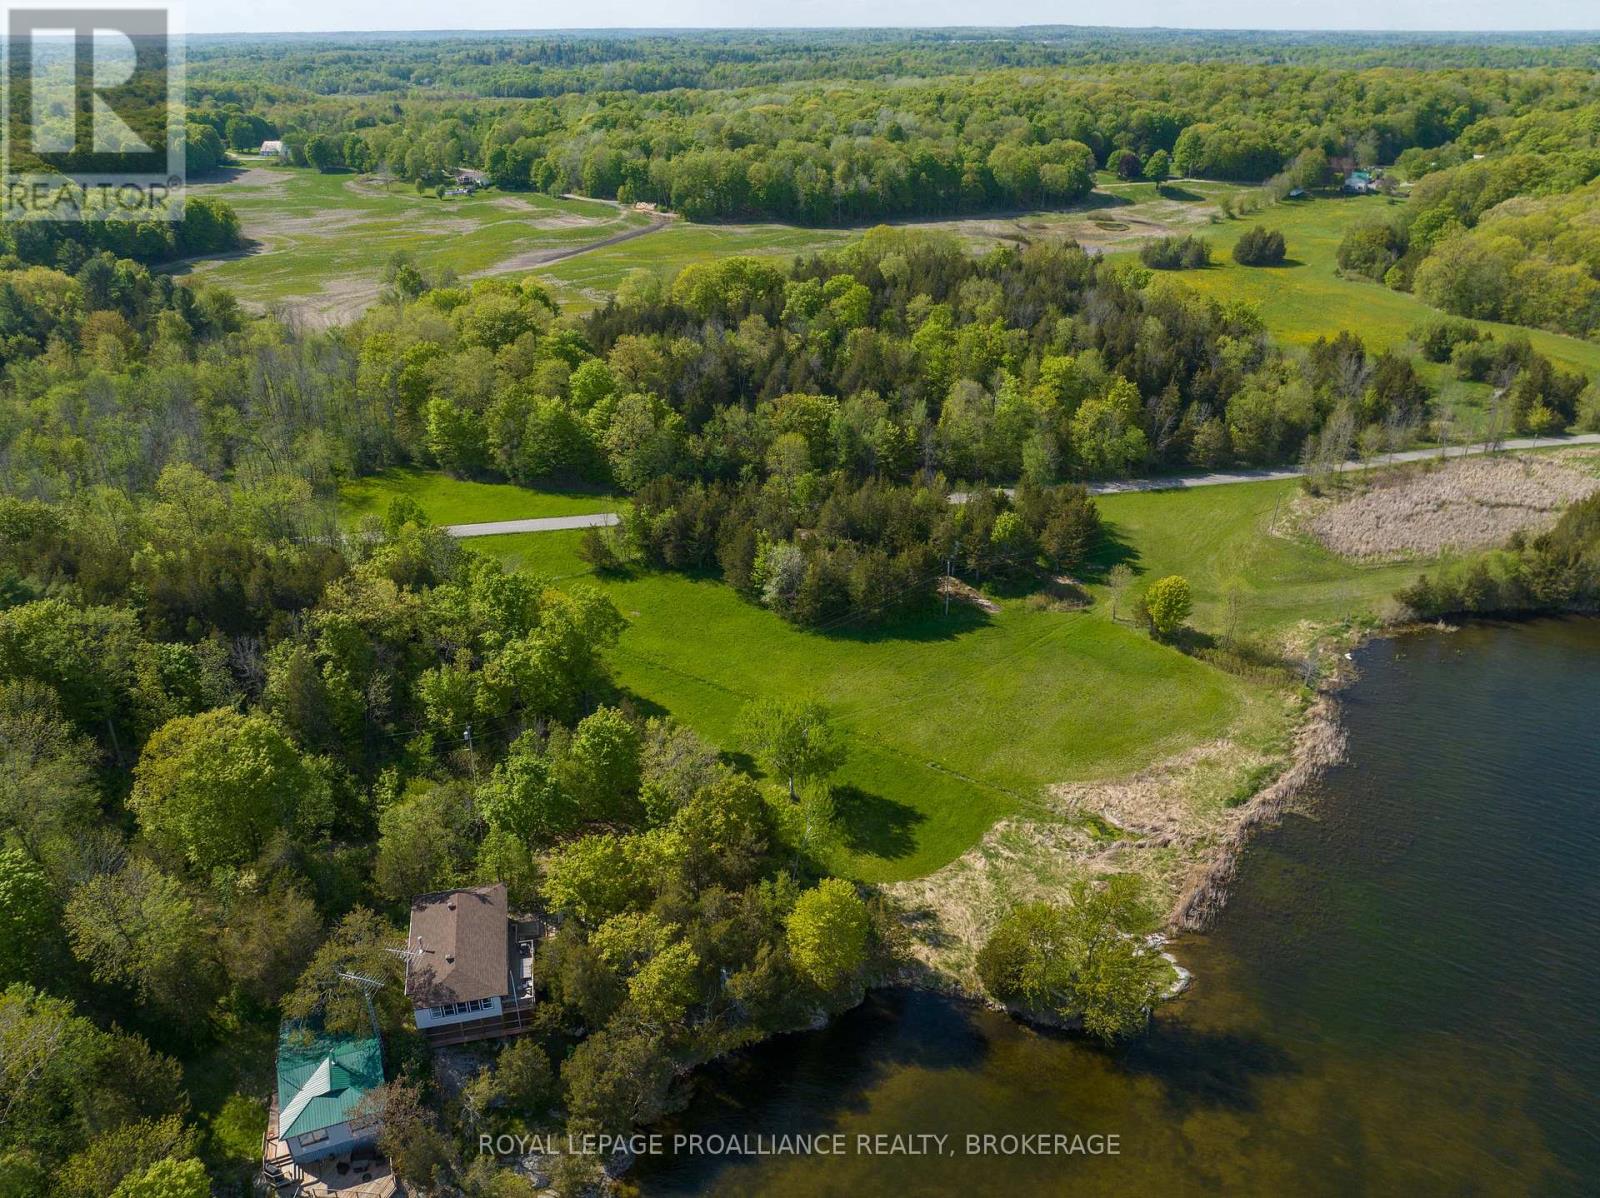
x=495, y=528
x=1178, y=482
x=1172, y=483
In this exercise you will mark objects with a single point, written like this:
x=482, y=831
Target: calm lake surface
x=1400, y=997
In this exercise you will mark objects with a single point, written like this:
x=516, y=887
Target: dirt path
x=496, y=528
x=1222, y=478
x=341, y=302
x=529, y=259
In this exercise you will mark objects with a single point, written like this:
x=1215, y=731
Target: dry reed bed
x=1460, y=505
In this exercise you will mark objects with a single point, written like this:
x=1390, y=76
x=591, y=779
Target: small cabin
x=322, y=1079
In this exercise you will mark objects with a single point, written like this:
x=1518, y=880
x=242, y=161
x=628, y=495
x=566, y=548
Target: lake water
x=1399, y=999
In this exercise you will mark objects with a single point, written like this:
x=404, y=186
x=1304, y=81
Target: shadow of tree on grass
x=871, y=823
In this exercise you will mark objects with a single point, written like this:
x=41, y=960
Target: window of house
x=313, y=1137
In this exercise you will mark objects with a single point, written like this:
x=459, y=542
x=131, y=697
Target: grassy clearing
x=953, y=722
x=957, y=723
x=1306, y=298
x=584, y=282
x=323, y=239
x=1222, y=538
x=446, y=500
x=1115, y=214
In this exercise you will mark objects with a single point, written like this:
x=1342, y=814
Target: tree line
x=971, y=137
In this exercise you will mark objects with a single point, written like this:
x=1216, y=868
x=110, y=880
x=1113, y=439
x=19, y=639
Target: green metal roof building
x=321, y=1080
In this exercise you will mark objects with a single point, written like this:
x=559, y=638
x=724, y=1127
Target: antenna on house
x=367, y=986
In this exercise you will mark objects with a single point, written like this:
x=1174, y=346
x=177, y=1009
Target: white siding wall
x=340, y=1139
x=426, y=1017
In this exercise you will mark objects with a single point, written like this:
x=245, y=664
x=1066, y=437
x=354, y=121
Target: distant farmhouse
x=272, y=149
x=469, y=966
x=1361, y=182
x=322, y=1079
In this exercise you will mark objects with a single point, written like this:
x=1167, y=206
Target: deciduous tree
x=1167, y=604
x=827, y=934
x=795, y=739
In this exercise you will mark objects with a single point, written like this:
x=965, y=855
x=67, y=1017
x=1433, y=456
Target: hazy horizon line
x=1560, y=31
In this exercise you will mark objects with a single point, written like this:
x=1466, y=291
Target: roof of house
x=460, y=944
x=321, y=1077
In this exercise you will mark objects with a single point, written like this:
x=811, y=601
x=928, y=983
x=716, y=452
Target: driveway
x=496, y=528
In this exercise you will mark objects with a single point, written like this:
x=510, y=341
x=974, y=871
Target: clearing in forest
x=955, y=723
x=318, y=242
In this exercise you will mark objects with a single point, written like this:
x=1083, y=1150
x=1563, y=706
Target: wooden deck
x=336, y=1177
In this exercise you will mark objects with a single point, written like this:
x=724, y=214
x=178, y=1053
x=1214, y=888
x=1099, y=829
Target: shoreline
x=1318, y=742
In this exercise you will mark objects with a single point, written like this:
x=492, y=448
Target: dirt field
x=1463, y=505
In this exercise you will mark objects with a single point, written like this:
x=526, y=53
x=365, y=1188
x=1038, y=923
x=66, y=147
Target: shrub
x=1438, y=339
x=1260, y=247
x=1176, y=253
x=1087, y=960
x=1167, y=604
x=1372, y=249
x=598, y=547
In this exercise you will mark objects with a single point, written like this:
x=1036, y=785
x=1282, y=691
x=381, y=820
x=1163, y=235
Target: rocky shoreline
x=1319, y=744
x=948, y=913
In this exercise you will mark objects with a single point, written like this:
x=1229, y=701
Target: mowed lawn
x=952, y=722
x=328, y=235
x=955, y=723
x=446, y=500
x=1221, y=539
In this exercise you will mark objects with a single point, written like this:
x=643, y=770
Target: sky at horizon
x=321, y=16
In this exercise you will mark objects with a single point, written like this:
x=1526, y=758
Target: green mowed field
x=585, y=281
x=1220, y=539
x=955, y=723
x=327, y=236
x=952, y=722
x=446, y=500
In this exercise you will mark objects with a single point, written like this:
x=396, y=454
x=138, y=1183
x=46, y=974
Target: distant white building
x=272, y=149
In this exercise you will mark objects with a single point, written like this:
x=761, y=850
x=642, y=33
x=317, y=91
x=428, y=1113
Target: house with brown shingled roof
x=469, y=965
